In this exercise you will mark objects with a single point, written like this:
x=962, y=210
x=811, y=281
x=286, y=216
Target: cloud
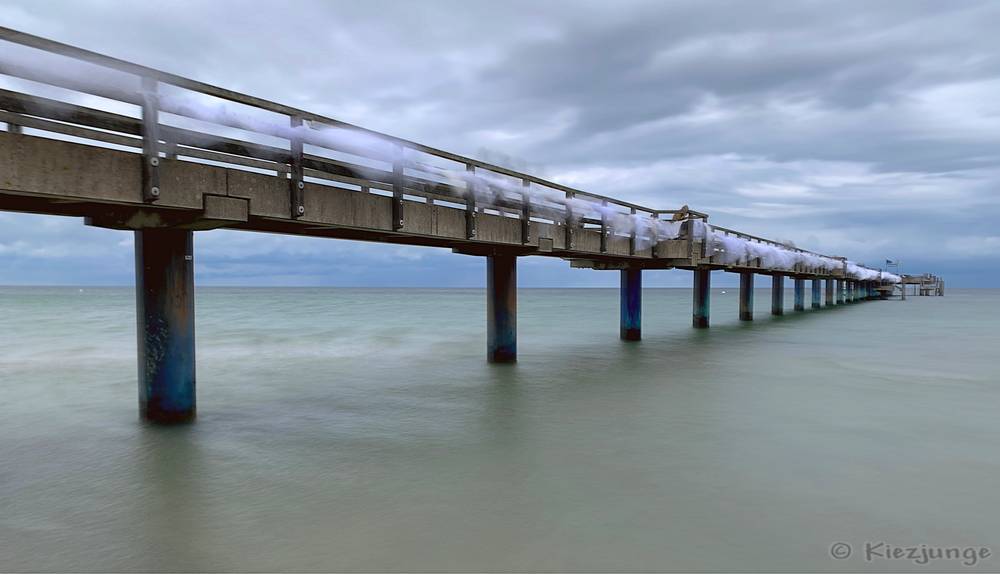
x=869, y=130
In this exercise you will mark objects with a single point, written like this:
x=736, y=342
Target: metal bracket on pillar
x=296, y=183
x=150, y=141
x=570, y=239
x=397, y=189
x=604, y=226
x=525, y=213
x=470, y=202
x=631, y=236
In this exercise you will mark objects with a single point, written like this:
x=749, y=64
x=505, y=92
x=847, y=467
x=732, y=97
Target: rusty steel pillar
x=817, y=291
x=501, y=308
x=746, y=295
x=631, y=305
x=829, y=292
x=164, y=289
x=800, y=294
x=702, y=298
x=777, y=294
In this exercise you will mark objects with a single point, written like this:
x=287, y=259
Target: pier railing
x=158, y=113
x=133, y=148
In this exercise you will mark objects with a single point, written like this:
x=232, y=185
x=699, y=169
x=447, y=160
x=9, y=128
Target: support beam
x=631, y=305
x=702, y=297
x=164, y=287
x=817, y=293
x=850, y=292
x=840, y=291
x=501, y=308
x=800, y=294
x=829, y=292
x=777, y=294
x=746, y=296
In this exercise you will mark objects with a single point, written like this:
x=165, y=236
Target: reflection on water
x=363, y=430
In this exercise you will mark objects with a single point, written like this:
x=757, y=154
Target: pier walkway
x=129, y=147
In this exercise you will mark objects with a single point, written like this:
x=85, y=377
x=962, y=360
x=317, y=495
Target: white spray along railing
x=341, y=152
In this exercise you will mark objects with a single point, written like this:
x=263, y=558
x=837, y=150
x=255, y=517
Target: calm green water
x=362, y=430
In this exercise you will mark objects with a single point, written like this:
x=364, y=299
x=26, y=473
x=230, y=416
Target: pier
x=163, y=174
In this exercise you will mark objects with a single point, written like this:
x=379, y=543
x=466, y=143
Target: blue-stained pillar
x=850, y=292
x=817, y=291
x=164, y=287
x=829, y=292
x=702, y=297
x=631, y=305
x=746, y=295
x=777, y=294
x=501, y=308
x=800, y=294
x=840, y=291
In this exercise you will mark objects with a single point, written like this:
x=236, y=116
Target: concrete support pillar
x=777, y=294
x=829, y=292
x=164, y=288
x=817, y=292
x=746, y=296
x=631, y=305
x=840, y=291
x=702, y=298
x=800, y=294
x=501, y=308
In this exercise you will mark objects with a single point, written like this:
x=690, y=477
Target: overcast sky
x=864, y=129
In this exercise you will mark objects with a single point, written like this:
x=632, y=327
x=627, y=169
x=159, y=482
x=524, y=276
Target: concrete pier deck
x=268, y=167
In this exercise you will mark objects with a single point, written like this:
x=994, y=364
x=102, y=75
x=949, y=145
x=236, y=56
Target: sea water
x=362, y=429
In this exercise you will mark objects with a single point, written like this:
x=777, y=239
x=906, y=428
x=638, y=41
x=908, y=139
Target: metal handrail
x=101, y=125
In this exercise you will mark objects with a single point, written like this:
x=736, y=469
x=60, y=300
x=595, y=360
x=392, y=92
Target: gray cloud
x=863, y=129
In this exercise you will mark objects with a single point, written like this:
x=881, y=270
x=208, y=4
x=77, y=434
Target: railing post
x=470, y=202
x=164, y=287
x=631, y=304
x=800, y=294
x=631, y=237
x=570, y=235
x=150, y=141
x=701, y=308
x=525, y=213
x=398, y=186
x=296, y=181
x=501, y=308
x=817, y=293
x=604, y=226
x=777, y=294
x=13, y=128
x=746, y=295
